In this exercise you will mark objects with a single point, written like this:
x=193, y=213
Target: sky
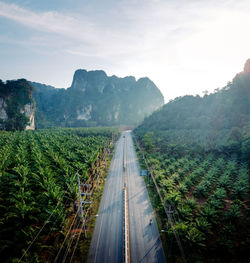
x=183, y=46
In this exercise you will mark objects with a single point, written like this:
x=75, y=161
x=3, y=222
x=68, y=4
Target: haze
x=185, y=47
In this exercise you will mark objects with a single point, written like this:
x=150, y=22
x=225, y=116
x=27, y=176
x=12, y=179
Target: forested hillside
x=198, y=152
x=219, y=121
x=96, y=99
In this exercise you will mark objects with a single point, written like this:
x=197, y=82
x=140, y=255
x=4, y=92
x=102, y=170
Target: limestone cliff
x=29, y=111
x=96, y=99
x=3, y=114
x=17, y=107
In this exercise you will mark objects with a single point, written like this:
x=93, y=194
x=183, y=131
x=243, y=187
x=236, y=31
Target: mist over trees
x=95, y=99
x=219, y=121
x=198, y=151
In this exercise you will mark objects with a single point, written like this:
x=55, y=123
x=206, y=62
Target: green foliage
x=18, y=122
x=195, y=237
x=208, y=193
x=203, y=153
x=217, y=122
x=234, y=213
x=38, y=179
x=148, y=141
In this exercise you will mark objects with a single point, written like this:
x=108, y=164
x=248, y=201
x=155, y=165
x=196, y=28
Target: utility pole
x=148, y=176
x=105, y=162
x=83, y=202
x=80, y=202
x=98, y=181
x=169, y=212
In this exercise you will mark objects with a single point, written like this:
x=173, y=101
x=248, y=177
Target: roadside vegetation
x=208, y=195
x=198, y=151
x=39, y=194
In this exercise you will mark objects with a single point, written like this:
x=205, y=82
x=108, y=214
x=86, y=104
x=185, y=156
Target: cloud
x=54, y=22
x=180, y=44
x=76, y=31
x=122, y=31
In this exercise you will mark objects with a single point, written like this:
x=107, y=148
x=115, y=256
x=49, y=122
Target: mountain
x=17, y=107
x=96, y=99
x=215, y=121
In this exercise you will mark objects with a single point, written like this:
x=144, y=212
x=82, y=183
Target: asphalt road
x=106, y=244
x=145, y=243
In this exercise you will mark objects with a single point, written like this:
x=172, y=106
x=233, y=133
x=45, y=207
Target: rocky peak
x=247, y=67
x=84, y=80
x=97, y=99
x=146, y=82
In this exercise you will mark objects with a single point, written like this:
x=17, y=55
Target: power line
x=163, y=204
x=66, y=235
x=83, y=214
x=48, y=219
x=54, y=222
x=45, y=223
x=77, y=241
x=70, y=243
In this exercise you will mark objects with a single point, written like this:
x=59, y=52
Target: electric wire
x=66, y=235
x=77, y=241
x=86, y=212
x=168, y=215
x=41, y=229
x=70, y=242
x=48, y=219
x=39, y=232
x=54, y=222
x=85, y=220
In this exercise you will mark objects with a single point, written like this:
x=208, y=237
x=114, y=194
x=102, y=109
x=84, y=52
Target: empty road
x=106, y=244
x=145, y=243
